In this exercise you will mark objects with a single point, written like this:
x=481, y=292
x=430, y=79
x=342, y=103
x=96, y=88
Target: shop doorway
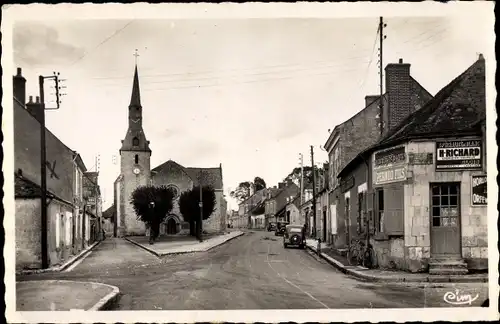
x=324, y=225
x=445, y=220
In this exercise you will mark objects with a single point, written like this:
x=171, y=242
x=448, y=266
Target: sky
x=248, y=93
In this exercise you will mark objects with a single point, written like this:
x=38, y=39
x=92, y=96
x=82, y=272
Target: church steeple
x=135, y=139
x=135, y=100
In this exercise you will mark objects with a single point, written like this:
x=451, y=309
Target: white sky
x=248, y=93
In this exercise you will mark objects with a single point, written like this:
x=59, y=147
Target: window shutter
x=394, y=210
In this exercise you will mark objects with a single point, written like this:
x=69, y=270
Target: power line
x=371, y=59
x=115, y=33
x=234, y=76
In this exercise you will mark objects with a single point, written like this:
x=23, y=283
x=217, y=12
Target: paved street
x=253, y=271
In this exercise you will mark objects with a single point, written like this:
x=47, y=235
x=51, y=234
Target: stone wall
x=417, y=223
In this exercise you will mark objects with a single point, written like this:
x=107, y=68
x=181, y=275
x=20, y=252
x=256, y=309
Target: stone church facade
x=135, y=170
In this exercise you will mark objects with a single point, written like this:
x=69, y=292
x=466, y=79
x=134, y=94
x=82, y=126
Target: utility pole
x=314, y=191
x=200, y=222
x=301, y=179
x=43, y=163
x=381, y=52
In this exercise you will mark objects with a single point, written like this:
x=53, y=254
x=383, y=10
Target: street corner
x=64, y=295
x=456, y=294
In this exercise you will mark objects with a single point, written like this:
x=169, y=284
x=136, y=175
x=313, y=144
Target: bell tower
x=135, y=156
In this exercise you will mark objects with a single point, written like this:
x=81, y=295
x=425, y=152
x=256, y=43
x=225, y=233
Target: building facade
x=403, y=95
x=427, y=180
x=66, y=227
x=135, y=171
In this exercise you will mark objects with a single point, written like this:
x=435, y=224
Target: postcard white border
x=13, y=13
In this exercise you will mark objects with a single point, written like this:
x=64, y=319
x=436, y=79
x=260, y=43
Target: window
x=445, y=204
x=136, y=159
x=361, y=210
x=380, y=209
x=135, y=141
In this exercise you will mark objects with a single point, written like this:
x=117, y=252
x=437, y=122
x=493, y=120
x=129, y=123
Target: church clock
x=137, y=171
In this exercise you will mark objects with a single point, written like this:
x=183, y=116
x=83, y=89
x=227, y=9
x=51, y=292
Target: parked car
x=280, y=228
x=294, y=235
x=271, y=227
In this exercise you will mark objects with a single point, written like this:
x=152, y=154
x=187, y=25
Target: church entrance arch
x=172, y=225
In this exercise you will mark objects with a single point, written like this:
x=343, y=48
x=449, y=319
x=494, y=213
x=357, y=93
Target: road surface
x=253, y=271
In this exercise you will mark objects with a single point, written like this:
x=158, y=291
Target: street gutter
x=63, y=266
x=357, y=271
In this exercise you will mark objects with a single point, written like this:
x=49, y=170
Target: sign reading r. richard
x=456, y=155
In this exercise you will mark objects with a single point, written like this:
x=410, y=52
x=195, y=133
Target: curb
x=159, y=255
x=107, y=301
x=103, y=304
x=63, y=266
x=372, y=278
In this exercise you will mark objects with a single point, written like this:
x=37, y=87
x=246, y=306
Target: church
x=135, y=170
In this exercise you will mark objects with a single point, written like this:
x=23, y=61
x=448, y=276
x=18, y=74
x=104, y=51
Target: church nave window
x=135, y=142
x=136, y=159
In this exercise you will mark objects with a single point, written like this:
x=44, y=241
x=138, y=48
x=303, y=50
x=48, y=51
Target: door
x=445, y=220
x=171, y=226
x=324, y=225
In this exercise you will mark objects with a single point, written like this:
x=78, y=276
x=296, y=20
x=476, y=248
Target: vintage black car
x=280, y=228
x=271, y=227
x=294, y=235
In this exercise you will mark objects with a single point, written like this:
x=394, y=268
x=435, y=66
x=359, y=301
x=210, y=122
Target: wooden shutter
x=394, y=209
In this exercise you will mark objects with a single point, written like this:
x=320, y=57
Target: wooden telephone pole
x=43, y=162
x=314, y=191
x=381, y=26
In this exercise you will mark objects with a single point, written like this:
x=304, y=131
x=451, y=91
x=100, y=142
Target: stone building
x=135, y=171
x=67, y=222
x=428, y=179
x=403, y=95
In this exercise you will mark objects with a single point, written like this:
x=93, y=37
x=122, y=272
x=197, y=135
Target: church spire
x=135, y=100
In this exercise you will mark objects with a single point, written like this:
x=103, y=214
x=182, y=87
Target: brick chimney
x=19, y=86
x=370, y=99
x=35, y=108
x=281, y=185
x=398, y=89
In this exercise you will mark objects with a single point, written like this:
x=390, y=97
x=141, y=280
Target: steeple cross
x=136, y=54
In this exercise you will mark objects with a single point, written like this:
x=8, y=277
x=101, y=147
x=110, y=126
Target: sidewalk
x=388, y=276
x=64, y=295
x=181, y=244
x=65, y=265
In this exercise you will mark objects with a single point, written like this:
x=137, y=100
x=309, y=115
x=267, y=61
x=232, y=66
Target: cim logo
x=456, y=298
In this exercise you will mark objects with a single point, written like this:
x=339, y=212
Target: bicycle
x=358, y=254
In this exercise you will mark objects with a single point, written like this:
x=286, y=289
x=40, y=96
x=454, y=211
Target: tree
x=243, y=191
x=259, y=183
x=190, y=209
x=152, y=204
x=295, y=175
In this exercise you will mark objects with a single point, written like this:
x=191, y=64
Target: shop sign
x=479, y=187
x=421, y=158
x=458, y=155
x=346, y=184
x=390, y=166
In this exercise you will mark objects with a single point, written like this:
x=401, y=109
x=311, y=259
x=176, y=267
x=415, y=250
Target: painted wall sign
x=456, y=155
x=390, y=166
x=479, y=187
x=420, y=158
x=346, y=184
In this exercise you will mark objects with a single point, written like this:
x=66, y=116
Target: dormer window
x=135, y=142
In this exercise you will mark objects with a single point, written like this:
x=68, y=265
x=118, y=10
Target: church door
x=171, y=226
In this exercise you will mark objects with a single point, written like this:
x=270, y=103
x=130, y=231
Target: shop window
x=445, y=208
x=379, y=196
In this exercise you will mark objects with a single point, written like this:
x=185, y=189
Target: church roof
x=211, y=176
x=135, y=100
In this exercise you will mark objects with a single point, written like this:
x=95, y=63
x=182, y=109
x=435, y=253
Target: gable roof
x=109, y=213
x=24, y=188
x=457, y=110
x=210, y=176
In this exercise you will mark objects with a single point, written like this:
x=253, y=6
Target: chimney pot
x=31, y=99
x=37, y=99
x=19, y=71
x=481, y=57
x=400, y=61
